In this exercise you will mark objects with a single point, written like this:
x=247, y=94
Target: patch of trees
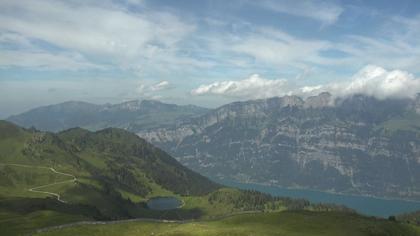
x=251, y=200
x=331, y=207
x=127, y=180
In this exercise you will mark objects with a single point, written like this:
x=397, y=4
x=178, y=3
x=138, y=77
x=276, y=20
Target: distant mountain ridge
x=355, y=145
x=131, y=115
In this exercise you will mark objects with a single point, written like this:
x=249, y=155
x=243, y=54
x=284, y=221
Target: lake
x=365, y=205
x=164, y=203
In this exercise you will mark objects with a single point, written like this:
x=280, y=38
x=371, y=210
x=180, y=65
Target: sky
x=204, y=52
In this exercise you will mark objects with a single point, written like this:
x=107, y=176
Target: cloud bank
x=380, y=83
x=105, y=32
x=372, y=81
x=252, y=87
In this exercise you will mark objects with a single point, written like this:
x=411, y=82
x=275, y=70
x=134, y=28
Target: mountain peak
x=291, y=100
x=137, y=105
x=321, y=100
x=151, y=102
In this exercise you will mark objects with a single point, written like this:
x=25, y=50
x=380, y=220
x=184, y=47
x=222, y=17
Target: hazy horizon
x=207, y=54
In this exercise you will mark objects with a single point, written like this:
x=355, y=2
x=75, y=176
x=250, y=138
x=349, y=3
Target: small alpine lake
x=164, y=203
x=363, y=204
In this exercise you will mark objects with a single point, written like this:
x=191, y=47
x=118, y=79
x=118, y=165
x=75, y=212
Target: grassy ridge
x=15, y=181
x=116, y=173
x=15, y=223
x=288, y=223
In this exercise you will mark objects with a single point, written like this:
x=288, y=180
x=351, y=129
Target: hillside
x=107, y=174
x=110, y=156
x=267, y=224
x=341, y=145
x=48, y=179
x=132, y=115
x=410, y=218
x=77, y=175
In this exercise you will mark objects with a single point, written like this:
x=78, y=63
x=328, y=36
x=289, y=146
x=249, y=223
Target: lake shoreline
x=367, y=205
x=321, y=191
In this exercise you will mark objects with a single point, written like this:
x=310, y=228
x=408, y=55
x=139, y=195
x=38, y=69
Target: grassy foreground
x=288, y=223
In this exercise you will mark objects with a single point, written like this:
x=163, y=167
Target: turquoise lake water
x=365, y=205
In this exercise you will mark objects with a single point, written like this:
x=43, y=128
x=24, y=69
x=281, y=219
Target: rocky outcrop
x=357, y=145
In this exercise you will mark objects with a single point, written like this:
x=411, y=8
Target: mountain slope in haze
x=132, y=115
x=355, y=145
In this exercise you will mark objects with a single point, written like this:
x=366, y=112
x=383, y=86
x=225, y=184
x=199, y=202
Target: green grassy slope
x=108, y=157
x=410, y=218
x=282, y=223
x=115, y=173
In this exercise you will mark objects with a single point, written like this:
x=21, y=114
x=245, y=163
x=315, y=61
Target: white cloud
x=371, y=81
x=42, y=60
x=150, y=90
x=380, y=83
x=106, y=32
x=325, y=12
x=163, y=85
x=252, y=87
x=385, y=51
x=393, y=44
x=276, y=47
x=23, y=53
x=310, y=89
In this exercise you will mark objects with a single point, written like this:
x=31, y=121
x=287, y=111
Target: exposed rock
x=359, y=145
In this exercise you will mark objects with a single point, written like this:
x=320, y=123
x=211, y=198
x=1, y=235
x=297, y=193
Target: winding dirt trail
x=35, y=189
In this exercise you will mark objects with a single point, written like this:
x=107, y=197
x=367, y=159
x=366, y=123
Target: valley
x=339, y=145
x=76, y=176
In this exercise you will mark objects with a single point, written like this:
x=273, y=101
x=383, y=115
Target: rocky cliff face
x=356, y=145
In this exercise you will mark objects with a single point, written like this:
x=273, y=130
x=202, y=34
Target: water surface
x=164, y=203
x=365, y=205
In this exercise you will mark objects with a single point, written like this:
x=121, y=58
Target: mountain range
x=132, y=115
x=49, y=179
x=353, y=145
